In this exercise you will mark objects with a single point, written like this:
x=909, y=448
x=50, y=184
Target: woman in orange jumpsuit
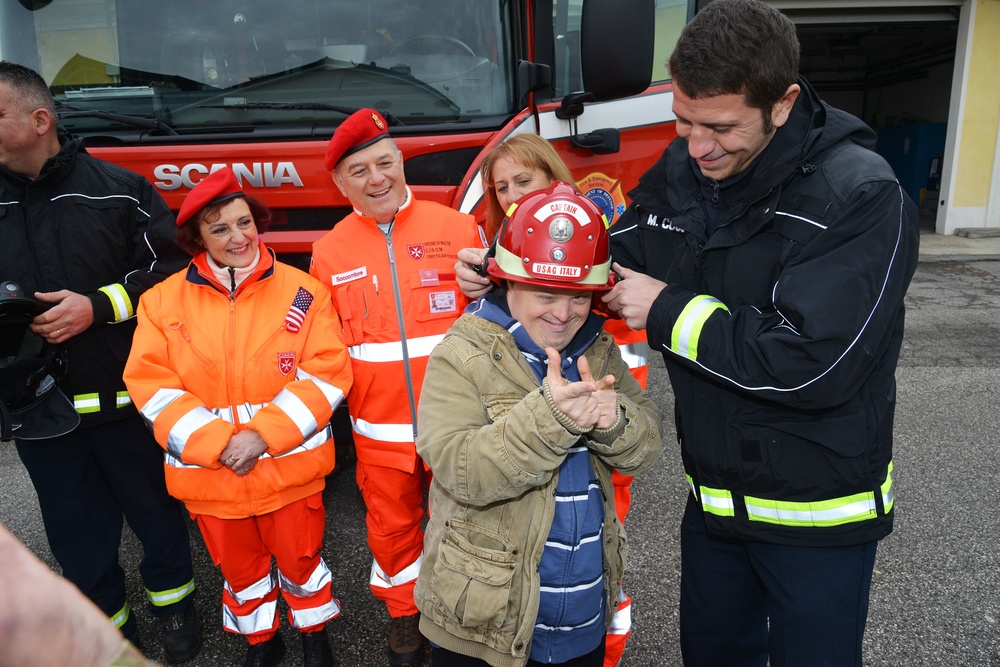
x=237, y=365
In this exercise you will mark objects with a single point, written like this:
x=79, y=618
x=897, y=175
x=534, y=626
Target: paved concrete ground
x=936, y=589
x=939, y=247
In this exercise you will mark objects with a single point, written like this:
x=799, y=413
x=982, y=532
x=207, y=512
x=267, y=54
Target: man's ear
x=339, y=182
x=42, y=120
x=783, y=107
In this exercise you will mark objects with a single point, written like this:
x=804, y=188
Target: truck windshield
x=212, y=65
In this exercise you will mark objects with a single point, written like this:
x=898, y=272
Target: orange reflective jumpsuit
x=635, y=353
x=396, y=294
x=206, y=364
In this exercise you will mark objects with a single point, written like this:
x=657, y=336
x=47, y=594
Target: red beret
x=215, y=188
x=361, y=129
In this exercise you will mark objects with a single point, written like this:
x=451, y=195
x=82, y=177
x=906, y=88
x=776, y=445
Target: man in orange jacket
x=390, y=266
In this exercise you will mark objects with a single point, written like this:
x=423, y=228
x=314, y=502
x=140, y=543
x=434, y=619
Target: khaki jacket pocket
x=474, y=582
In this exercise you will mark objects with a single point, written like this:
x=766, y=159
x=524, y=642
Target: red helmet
x=554, y=238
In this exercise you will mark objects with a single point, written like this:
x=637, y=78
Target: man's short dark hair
x=737, y=47
x=30, y=87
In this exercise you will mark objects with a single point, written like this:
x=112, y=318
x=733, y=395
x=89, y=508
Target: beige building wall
x=972, y=193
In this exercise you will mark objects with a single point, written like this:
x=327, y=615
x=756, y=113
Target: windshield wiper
x=135, y=121
x=245, y=105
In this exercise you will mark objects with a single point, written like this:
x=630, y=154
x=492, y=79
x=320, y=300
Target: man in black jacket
x=89, y=238
x=767, y=254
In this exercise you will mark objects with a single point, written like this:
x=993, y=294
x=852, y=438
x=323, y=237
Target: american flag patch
x=297, y=313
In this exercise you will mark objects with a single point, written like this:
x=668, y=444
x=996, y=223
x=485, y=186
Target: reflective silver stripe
x=636, y=355
x=185, y=427
x=159, y=402
x=799, y=217
x=254, y=591
x=86, y=403
x=380, y=579
x=297, y=411
x=687, y=328
x=312, y=443
x=120, y=302
x=384, y=432
x=319, y=578
x=182, y=429
x=829, y=512
x=304, y=618
x=384, y=352
x=80, y=194
x=835, y=512
x=888, y=495
x=121, y=617
x=245, y=412
x=122, y=399
x=261, y=619
x=621, y=621
x=691, y=485
x=512, y=264
x=175, y=462
x=717, y=501
x=334, y=394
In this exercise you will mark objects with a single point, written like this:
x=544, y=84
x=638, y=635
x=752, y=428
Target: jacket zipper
x=231, y=373
x=402, y=330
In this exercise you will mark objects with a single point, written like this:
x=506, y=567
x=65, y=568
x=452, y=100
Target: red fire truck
x=174, y=90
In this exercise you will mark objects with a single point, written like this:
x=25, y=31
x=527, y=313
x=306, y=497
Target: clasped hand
x=242, y=452
x=588, y=402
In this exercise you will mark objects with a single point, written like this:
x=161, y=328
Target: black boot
x=181, y=635
x=316, y=649
x=267, y=654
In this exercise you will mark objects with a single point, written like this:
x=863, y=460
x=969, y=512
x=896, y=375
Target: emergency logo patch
x=429, y=278
x=606, y=192
x=286, y=362
x=416, y=251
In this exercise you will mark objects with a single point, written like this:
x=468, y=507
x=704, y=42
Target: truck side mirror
x=626, y=68
x=532, y=76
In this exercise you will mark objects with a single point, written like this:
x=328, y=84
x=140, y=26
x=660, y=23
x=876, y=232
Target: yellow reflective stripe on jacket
x=122, y=399
x=717, y=501
x=690, y=481
x=820, y=513
x=816, y=513
x=888, y=496
x=687, y=328
x=170, y=596
x=86, y=403
x=120, y=301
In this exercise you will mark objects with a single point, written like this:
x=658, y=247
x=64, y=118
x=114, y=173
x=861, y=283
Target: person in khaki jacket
x=526, y=409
